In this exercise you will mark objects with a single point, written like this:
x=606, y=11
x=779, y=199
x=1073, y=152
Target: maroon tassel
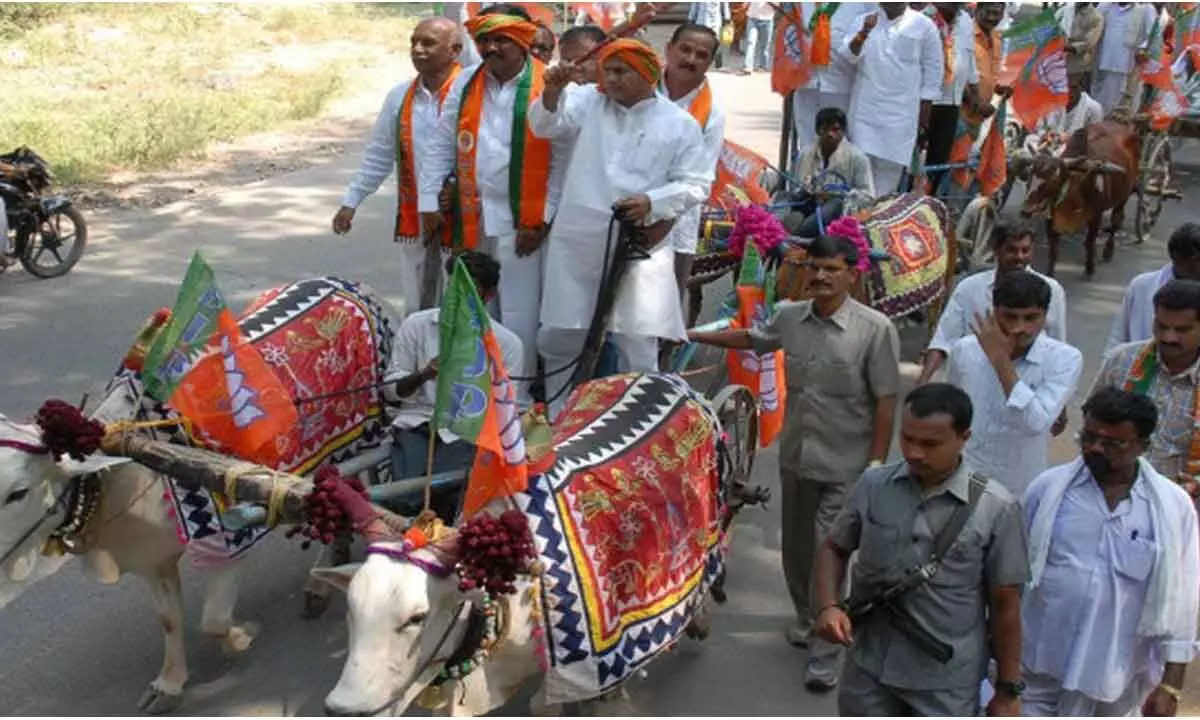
x=66, y=431
x=336, y=506
x=491, y=551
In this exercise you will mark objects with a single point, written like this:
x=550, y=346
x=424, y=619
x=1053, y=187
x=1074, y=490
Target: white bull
x=131, y=534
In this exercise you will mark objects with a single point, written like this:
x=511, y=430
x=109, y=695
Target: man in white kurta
x=1123, y=46
x=1019, y=380
x=689, y=55
x=436, y=45
x=1055, y=129
x=505, y=63
x=972, y=297
x=1135, y=321
x=1109, y=618
x=898, y=56
x=830, y=85
x=635, y=152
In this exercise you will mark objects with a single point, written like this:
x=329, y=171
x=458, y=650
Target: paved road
x=72, y=647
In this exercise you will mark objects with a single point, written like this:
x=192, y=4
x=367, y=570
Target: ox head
x=34, y=485
x=1067, y=185
x=405, y=616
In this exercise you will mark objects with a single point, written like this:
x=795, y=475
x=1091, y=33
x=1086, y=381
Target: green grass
x=101, y=88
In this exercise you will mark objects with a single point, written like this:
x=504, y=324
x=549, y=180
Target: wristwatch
x=1010, y=687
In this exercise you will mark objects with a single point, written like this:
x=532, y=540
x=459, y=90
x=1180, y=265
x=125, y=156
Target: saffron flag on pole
x=1168, y=101
x=201, y=365
x=961, y=178
x=1036, y=67
x=476, y=399
x=762, y=374
x=993, y=155
x=600, y=13
x=739, y=178
x=791, y=68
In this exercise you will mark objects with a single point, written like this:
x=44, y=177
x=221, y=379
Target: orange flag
x=993, y=156
x=739, y=170
x=792, y=66
x=1036, y=67
x=762, y=374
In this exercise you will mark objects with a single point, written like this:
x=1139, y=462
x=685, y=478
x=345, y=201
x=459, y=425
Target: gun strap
x=958, y=520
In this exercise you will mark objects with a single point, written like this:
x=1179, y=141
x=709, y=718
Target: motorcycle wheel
x=49, y=237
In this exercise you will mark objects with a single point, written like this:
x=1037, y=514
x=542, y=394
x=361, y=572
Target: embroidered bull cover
x=320, y=336
x=912, y=229
x=628, y=523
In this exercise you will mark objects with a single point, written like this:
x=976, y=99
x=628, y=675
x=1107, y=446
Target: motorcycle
x=49, y=232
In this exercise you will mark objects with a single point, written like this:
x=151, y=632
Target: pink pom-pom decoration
x=757, y=223
x=850, y=229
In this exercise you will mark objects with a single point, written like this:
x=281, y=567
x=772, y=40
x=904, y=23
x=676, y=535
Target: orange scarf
x=529, y=168
x=408, y=220
x=947, y=32
x=701, y=107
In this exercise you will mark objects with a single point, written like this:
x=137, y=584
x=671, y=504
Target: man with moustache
x=544, y=44
x=639, y=160
x=1019, y=380
x=843, y=361
x=1166, y=369
x=941, y=563
x=1109, y=617
x=1135, y=322
x=972, y=297
x=506, y=181
x=410, y=113
x=690, y=52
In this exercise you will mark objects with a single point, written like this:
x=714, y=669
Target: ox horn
x=1110, y=167
x=196, y=468
x=1075, y=163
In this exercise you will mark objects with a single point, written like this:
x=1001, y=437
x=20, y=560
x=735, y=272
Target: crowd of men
x=1070, y=589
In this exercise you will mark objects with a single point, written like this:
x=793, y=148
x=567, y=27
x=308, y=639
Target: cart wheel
x=738, y=413
x=1153, y=185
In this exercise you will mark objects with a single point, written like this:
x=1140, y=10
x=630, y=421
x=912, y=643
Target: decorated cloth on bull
x=320, y=336
x=628, y=524
x=912, y=230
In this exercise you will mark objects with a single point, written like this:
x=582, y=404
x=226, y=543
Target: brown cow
x=1098, y=171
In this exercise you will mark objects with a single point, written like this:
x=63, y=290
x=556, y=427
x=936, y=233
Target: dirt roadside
x=341, y=127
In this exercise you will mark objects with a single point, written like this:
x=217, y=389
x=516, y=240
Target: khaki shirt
x=892, y=524
x=837, y=370
x=1086, y=30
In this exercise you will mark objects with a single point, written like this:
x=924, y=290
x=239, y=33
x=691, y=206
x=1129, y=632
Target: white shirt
x=899, y=66
x=493, y=152
x=1079, y=625
x=1126, y=29
x=1010, y=434
x=966, y=72
x=686, y=233
x=760, y=11
x=1135, y=322
x=1065, y=122
x=413, y=347
x=972, y=298
x=379, y=158
x=837, y=78
x=653, y=148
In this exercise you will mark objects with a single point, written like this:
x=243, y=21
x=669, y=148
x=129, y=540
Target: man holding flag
x=414, y=368
x=832, y=75
x=506, y=182
x=843, y=360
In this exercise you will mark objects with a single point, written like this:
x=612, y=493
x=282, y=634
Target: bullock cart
x=1157, y=171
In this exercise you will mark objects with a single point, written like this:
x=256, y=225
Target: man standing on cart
x=638, y=163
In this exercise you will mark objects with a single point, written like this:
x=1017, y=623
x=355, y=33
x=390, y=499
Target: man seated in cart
x=831, y=165
x=1052, y=132
x=412, y=372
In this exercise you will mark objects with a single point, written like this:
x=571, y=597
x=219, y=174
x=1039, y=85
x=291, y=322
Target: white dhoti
x=805, y=105
x=520, y=300
x=1044, y=696
x=1107, y=89
x=646, y=307
x=886, y=175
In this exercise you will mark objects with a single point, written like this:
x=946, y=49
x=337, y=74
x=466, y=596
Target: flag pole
x=429, y=467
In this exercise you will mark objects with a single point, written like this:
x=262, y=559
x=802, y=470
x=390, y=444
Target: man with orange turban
x=638, y=159
x=503, y=182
